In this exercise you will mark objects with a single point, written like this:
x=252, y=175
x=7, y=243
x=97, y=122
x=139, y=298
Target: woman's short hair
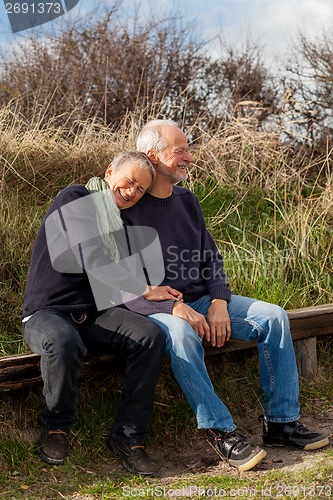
x=125, y=157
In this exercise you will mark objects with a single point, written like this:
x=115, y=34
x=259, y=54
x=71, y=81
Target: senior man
x=210, y=311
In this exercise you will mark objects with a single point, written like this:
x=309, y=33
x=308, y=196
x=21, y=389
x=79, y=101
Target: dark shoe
x=53, y=446
x=235, y=449
x=134, y=457
x=292, y=434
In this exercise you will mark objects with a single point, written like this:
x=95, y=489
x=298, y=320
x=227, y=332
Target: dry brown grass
x=264, y=252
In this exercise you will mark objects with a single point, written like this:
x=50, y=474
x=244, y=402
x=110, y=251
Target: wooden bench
x=306, y=324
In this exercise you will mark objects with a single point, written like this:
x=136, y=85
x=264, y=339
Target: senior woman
x=65, y=315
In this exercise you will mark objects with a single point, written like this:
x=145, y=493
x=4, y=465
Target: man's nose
x=189, y=157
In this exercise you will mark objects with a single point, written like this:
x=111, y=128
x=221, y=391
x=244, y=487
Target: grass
x=267, y=253
x=270, y=250
x=92, y=472
x=271, y=214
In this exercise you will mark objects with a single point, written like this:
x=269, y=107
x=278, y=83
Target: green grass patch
x=92, y=470
x=272, y=220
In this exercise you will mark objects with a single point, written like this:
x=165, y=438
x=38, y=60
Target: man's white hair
x=151, y=137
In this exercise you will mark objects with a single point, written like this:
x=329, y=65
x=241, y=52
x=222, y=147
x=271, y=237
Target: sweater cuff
x=147, y=307
x=220, y=292
x=164, y=306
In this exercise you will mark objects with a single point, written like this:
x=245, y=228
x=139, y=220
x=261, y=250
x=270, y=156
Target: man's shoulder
x=185, y=195
x=183, y=191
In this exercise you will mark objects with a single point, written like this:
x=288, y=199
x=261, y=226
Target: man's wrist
x=176, y=303
x=219, y=300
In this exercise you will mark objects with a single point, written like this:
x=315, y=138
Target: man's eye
x=129, y=180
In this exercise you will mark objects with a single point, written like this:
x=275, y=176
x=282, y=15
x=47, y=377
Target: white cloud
x=270, y=23
x=274, y=25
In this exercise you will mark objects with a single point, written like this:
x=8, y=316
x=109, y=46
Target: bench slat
x=20, y=370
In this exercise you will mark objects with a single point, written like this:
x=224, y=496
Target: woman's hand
x=162, y=293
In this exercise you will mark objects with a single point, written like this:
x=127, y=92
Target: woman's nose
x=131, y=191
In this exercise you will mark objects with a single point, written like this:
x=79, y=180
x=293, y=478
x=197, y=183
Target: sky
x=271, y=24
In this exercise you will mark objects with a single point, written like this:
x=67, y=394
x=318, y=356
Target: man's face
x=175, y=158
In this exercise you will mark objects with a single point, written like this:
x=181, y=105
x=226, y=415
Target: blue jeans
x=250, y=320
x=63, y=344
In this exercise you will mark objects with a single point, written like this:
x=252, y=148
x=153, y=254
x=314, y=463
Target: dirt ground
x=196, y=456
x=199, y=457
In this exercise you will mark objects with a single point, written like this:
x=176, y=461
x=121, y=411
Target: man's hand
x=162, y=293
x=219, y=322
x=196, y=320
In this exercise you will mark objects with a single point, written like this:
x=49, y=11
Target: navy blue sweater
x=193, y=264
x=48, y=288
x=68, y=254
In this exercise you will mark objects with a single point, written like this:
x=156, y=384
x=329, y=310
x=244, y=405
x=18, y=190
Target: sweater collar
x=152, y=200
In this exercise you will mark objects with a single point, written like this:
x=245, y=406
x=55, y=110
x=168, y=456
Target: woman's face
x=128, y=184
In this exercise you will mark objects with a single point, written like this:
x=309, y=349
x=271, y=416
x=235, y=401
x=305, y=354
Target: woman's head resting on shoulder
x=129, y=176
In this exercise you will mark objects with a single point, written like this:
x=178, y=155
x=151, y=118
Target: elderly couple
x=89, y=288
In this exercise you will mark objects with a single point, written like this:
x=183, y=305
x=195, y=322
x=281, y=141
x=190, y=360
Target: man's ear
x=153, y=156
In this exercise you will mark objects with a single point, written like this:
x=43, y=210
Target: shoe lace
x=138, y=449
x=301, y=428
x=57, y=431
x=238, y=439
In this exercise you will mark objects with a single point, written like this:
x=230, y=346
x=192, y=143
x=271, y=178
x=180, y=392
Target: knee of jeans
x=264, y=312
x=66, y=343
x=185, y=338
x=154, y=335
x=274, y=319
x=278, y=314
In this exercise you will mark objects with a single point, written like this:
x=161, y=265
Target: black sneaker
x=235, y=449
x=292, y=434
x=53, y=446
x=133, y=457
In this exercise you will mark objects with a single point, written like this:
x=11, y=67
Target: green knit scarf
x=108, y=215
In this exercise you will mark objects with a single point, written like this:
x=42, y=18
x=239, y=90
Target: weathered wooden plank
x=18, y=359
x=310, y=312
x=306, y=324
x=306, y=357
x=21, y=370
x=311, y=321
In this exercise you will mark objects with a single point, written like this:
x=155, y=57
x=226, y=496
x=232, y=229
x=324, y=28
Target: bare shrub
x=308, y=91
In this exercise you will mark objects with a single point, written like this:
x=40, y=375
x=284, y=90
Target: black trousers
x=63, y=345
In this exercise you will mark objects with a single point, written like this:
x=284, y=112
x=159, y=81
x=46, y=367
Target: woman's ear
x=108, y=170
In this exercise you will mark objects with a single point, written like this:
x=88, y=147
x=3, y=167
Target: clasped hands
x=216, y=329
